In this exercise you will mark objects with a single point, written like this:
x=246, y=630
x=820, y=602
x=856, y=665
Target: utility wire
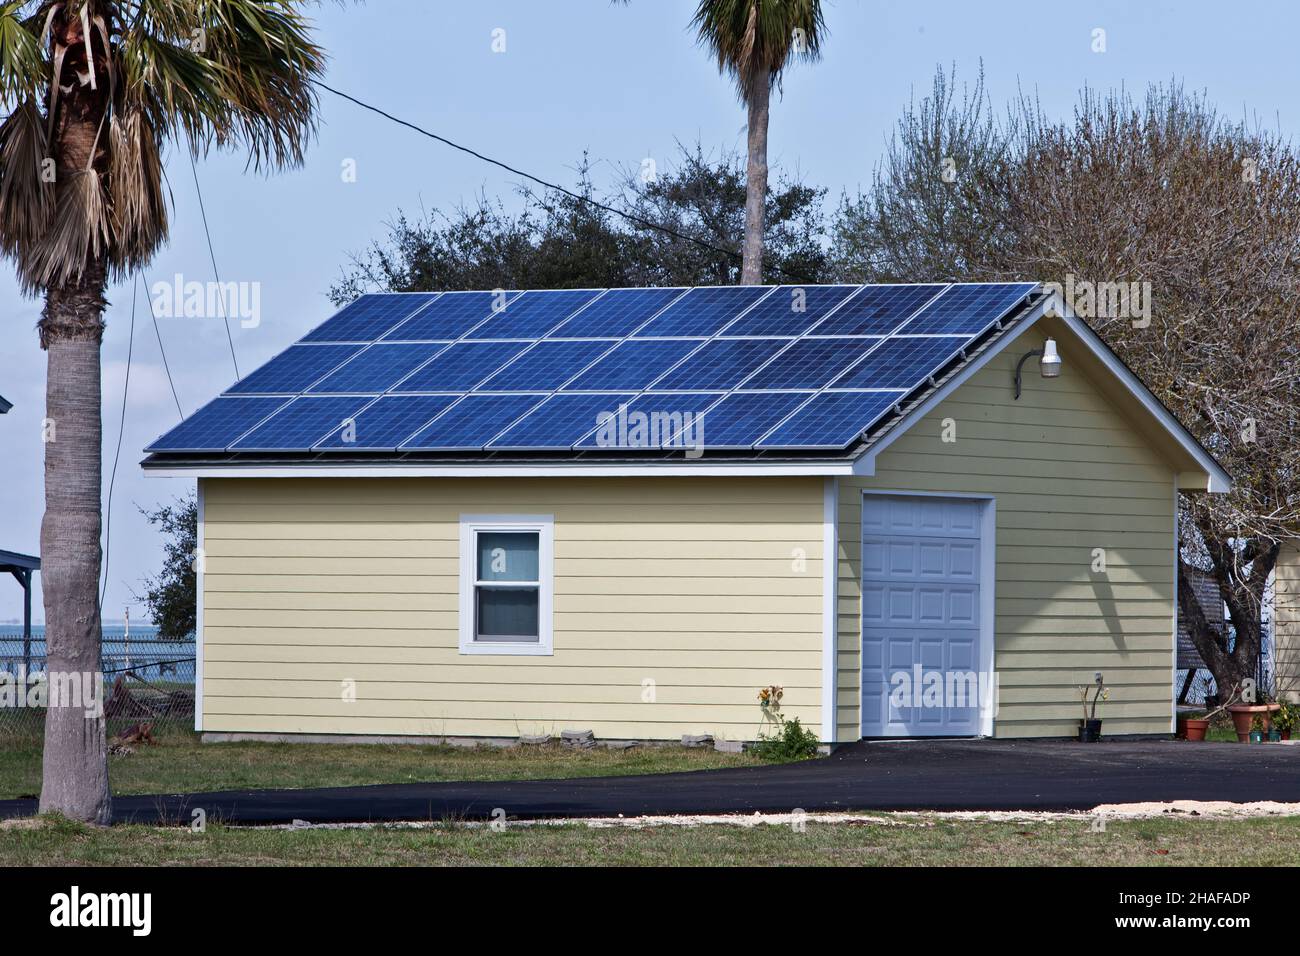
x=121, y=430
x=221, y=298
x=631, y=217
x=163, y=351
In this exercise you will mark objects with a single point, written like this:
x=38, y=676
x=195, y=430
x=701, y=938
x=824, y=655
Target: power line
x=163, y=351
x=121, y=430
x=221, y=298
x=631, y=217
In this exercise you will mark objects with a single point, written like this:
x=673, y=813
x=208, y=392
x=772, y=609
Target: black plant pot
x=1090, y=730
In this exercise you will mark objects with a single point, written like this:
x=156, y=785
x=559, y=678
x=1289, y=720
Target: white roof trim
x=478, y=470
x=1219, y=481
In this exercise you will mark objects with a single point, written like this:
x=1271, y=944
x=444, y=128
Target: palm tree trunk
x=751, y=272
x=75, y=770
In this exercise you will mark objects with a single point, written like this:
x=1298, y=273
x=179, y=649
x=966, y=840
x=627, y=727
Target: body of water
x=143, y=645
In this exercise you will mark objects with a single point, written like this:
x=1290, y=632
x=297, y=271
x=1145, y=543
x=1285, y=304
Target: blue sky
x=623, y=83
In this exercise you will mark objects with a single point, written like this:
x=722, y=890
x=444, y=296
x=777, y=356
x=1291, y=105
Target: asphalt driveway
x=914, y=775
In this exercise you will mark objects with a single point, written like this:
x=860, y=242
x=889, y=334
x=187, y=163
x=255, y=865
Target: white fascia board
x=588, y=470
x=866, y=465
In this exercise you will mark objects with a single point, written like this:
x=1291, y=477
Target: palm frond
x=26, y=191
x=135, y=182
x=206, y=73
x=22, y=61
x=78, y=233
x=753, y=39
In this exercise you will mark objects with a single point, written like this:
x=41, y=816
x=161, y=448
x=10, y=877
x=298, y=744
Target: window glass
x=507, y=556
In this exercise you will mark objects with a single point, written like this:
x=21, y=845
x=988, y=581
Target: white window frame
x=544, y=527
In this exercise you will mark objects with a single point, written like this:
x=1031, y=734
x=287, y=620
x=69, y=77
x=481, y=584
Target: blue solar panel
x=877, y=310
x=790, y=366
x=900, y=362
x=459, y=367
x=742, y=418
x=377, y=369
x=294, y=369
x=387, y=423
x=471, y=422
x=533, y=314
x=560, y=421
x=654, y=420
x=970, y=309
x=450, y=316
x=703, y=311
x=368, y=317
x=790, y=310
x=830, y=420
x=722, y=363
x=548, y=364
x=217, y=424
x=809, y=363
x=616, y=313
x=633, y=364
x=300, y=424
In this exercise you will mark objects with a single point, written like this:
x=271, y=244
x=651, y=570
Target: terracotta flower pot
x=1243, y=715
x=1195, y=729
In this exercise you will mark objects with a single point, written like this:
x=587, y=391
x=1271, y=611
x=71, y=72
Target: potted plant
x=1256, y=733
x=1194, y=728
x=1244, y=713
x=1090, y=726
x=1285, y=718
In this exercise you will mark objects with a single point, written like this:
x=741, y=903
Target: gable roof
x=780, y=379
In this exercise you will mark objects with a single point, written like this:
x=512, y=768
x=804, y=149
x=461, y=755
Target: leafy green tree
x=558, y=241
x=170, y=595
x=93, y=91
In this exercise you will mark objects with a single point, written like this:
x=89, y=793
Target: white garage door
x=920, y=616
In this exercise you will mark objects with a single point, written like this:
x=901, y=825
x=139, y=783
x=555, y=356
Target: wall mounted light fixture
x=1049, y=362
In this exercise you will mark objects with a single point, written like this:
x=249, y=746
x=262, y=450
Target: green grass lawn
x=907, y=840
x=180, y=764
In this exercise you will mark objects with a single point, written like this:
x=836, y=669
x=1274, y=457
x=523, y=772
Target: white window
x=506, y=584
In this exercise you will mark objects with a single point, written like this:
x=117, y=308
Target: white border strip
x=198, y=613
x=483, y=470
x=830, y=607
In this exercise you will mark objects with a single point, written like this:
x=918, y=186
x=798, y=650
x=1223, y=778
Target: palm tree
x=753, y=41
x=94, y=90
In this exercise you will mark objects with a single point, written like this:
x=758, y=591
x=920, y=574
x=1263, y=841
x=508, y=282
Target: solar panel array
x=728, y=367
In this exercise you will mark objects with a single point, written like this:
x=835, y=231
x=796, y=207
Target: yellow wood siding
x=1070, y=474
x=708, y=587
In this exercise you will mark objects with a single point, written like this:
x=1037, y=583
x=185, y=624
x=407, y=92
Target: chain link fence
x=146, y=681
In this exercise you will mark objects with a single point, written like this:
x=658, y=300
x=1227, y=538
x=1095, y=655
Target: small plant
x=791, y=742
x=1102, y=693
x=1286, y=716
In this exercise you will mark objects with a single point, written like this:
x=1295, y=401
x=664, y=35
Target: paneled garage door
x=920, y=616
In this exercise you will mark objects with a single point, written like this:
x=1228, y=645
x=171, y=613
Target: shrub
x=791, y=742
